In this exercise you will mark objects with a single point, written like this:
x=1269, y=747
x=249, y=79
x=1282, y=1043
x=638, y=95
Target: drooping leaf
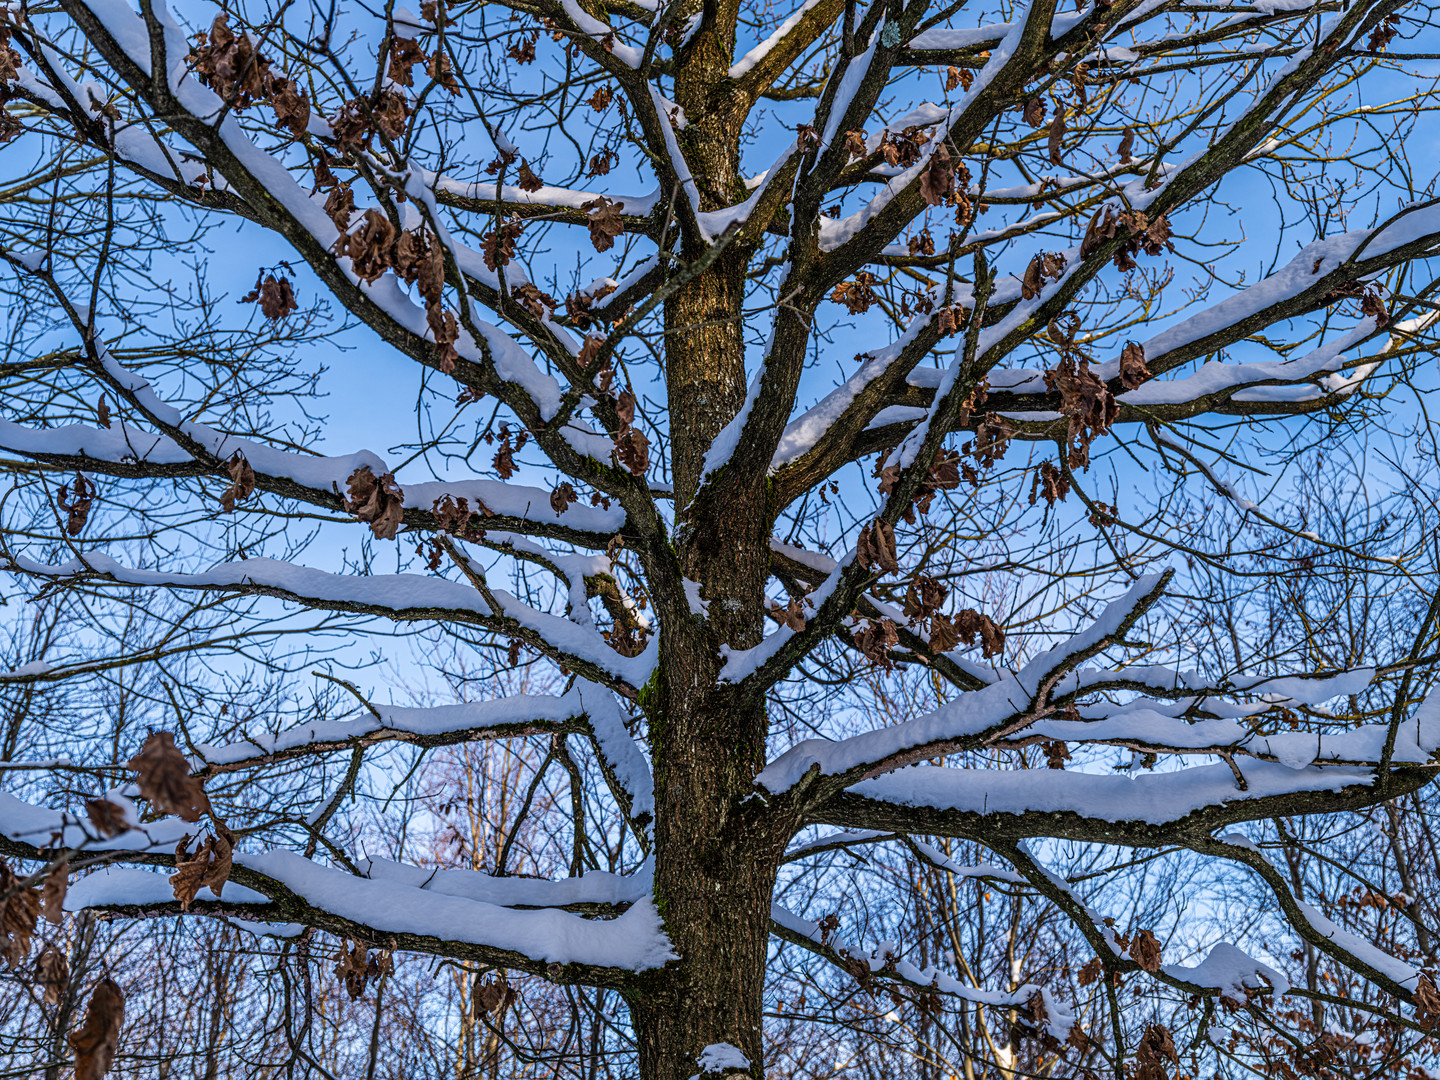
x=1145, y=951
x=99, y=1036
x=52, y=892
x=165, y=780
x=52, y=972
x=603, y=217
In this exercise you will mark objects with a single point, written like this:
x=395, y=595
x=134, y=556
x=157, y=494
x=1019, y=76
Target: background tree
x=784, y=601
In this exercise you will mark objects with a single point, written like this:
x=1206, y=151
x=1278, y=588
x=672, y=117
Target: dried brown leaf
x=292, y=108
x=352, y=969
x=405, y=55
x=76, y=499
x=1133, y=371
x=603, y=217
x=221, y=851
x=189, y=876
x=19, y=913
x=94, y=1044
x=493, y=994
x=632, y=450
x=1145, y=951
x=242, y=482
x=562, y=497
x=876, y=547
x=791, y=615
x=52, y=892
x=875, y=639
x=625, y=407
x=165, y=780
x=528, y=180
x=52, y=971
x=943, y=636
x=340, y=208
x=970, y=623
x=1051, y=482
x=106, y=817
x=1057, y=137
x=937, y=183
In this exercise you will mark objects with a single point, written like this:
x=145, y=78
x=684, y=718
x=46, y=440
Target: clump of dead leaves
x=22, y=906
x=1086, y=402
x=164, y=778
x=1155, y=1049
x=375, y=500
x=356, y=967
x=76, y=499
x=19, y=914
x=229, y=64
x=275, y=294
x=207, y=867
x=416, y=256
x=1136, y=230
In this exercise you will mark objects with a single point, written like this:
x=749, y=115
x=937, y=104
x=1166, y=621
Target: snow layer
x=1157, y=798
x=1230, y=971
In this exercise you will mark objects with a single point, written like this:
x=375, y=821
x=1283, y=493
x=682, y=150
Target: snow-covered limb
x=1168, y=807
x=1189, y=726
x=128, y=451
x=943, y=45
x=970, y=720
x=624, y=766
x=394, y=596
x=1373, y=964
x=1231, y=973
x=761, y=65
x=441, y=725
x=516, y=923
x=1183, y=806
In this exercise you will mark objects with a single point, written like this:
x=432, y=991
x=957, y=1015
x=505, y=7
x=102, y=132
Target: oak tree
x=829, y=406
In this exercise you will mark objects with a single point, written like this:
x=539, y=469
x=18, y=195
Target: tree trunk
x=714, y=877
x=715, y=865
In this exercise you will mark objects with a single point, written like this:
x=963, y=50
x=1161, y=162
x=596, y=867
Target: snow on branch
x=124, y=38
x=431, y=910
x=1151, y=799
x=199, y=449
x=440, y=725
x=397, y=596
x=972, y=718
x=1181, y=806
